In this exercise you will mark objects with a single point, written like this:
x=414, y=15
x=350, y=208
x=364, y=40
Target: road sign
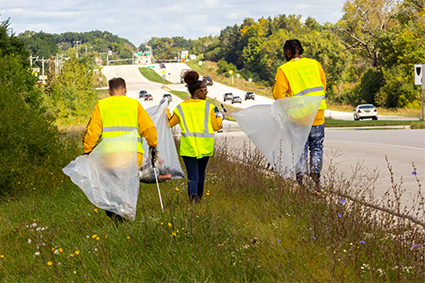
x=230, y=72
x=148, y=53
x=140, y=53
x=163, y=72
x=418, y=74
x=36, y=70
x=200, y=63
x=151, y=67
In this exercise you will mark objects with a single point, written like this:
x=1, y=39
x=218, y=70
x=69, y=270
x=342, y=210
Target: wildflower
x=84, y=275
x=314, y=238
x=342, y=201
x=208, y=194
x=174, y=234
x=60, y=250
x=128, y=237
x=56, y=252
x=49, y=263
x=94, y=236
x=95, y=210
x=29, y=241
x=52, y=249
x=97, y=238
x=36, y=253
x=71, y=255
x=162, y=223
x=1, y=256
x=169, y=224
x=277, y=240
x=362, y=242
x=177, y=189
x=34, y=224
x=77, y=252
x=414, y=173
x=339, y=215
x=415, y=246
x=106, y=236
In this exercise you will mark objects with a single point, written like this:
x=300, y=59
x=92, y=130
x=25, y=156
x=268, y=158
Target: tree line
x=368, y=55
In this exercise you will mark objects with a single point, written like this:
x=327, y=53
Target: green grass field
x=153, y=76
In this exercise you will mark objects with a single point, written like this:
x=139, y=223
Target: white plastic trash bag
x=280, y=130
x=109, y=175
x=168, y=164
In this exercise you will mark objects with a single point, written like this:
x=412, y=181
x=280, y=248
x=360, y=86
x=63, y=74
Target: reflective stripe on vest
x=119, y=116
x=304, y=78
x=196, y=143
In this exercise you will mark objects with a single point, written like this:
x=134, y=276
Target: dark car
x=168, y=95
x=207, y=81
x=236, y=99
x=142, y=93
x=162, y=65
x=227, y=96
x=249, y=95
x=148, y=96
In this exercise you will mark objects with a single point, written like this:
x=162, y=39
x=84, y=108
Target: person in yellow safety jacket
x=198, y=122
x=303, y=76
x=117, y=115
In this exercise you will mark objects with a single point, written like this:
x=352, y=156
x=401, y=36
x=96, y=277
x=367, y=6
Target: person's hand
x=153, y=154
x=220, y=114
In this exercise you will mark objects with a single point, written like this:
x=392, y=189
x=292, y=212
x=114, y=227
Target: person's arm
x=172, y=120
x=281, y=87
x=217, y=122
x=147, y=128
x=93, y=130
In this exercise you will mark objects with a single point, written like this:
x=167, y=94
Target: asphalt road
x=344, y=149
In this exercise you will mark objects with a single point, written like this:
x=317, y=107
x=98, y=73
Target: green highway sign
x=151, y=67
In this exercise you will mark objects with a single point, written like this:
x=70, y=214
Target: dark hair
x=191, y=78
x=116, y=83
x=293, y=45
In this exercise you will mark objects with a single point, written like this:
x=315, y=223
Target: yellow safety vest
x=197, y=138
x=304, y=79
x=119, y=116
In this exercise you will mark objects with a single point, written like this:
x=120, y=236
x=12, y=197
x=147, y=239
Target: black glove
x=153, y=154
x=87, y=153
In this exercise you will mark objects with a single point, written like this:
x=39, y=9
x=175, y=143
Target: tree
x=10, y=44
x=41, y=44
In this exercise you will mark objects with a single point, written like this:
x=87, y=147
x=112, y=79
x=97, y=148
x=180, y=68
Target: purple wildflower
x=415, y=246
x=314, y=238
x=277, y=240
x=414, y=173
x=342, y=201
x=362, y=242
x=339, y=215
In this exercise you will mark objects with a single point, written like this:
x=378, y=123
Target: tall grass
x=251, y=225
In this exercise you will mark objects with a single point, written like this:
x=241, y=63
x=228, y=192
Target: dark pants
x=196, y=175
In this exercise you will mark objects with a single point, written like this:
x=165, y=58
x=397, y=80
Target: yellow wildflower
x=169, y=224
x=95, y=210
x=177, y=189
x=94, y=236
x=77, y=252
x=71, y=255
x=60, y=250
x=106, y=236
x=97, y=238
x=162, y=223
x=1, y=256
x=208, y=194
x=52, y=249
x=174, y=234
x=49, y=263
x=128, y=237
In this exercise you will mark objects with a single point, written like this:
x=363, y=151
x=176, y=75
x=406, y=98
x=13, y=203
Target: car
x=207, y=81
x=249, y=95
x=227, y=96
x=236, y=99
x=162, y=65
x=168, y=95
x=142, y=93
x=364, y=111
x=148, y=96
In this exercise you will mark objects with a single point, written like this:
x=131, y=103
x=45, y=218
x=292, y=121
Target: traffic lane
x=369, y=150
x=348, y=116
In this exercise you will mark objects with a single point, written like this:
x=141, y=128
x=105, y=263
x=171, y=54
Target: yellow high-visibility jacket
x=301, y=77
x=198, y=122
x=116, y=115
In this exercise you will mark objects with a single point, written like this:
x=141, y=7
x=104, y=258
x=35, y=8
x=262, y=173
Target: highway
x=345, y=149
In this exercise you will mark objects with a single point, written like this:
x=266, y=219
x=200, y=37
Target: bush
x=28, y=136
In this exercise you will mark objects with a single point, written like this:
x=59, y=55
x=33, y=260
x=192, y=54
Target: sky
x=140, y=20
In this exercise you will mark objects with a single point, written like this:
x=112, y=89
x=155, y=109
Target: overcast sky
x=140, y=20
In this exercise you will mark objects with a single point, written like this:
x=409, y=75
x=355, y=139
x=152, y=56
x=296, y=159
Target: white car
x=364, y=111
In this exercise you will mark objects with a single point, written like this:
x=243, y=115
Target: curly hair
x=191, y=78
x=293, y=45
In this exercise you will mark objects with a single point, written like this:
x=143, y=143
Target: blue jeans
x=196, y=175
x=315, y=145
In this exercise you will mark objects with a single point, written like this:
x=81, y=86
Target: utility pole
x=42, y=67
x=31, y=57
x=77, y=42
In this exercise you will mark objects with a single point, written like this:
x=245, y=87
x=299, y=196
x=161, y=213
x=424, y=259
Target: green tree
x=41, y=44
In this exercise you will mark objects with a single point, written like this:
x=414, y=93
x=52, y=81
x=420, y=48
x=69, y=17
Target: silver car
x=364, y=111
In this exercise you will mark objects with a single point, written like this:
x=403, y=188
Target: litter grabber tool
x=153, y=152
x=222, y=108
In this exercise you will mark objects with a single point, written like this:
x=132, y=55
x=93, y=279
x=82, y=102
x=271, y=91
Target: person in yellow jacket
x=304, y=76
x=117, y=115
x=198, y=121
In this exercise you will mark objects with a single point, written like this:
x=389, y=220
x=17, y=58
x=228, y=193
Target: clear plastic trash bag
x=109, y=175
x=168, y=163
x=280, y=130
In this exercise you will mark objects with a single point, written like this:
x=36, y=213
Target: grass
x=371, y=123
x=153, y=76
x=251, y=225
